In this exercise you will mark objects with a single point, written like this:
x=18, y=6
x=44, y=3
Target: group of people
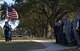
x=7, y=31
x=67, y=32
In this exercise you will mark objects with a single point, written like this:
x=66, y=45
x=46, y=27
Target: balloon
x=13, y=23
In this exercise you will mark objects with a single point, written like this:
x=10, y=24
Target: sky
x=9, y=2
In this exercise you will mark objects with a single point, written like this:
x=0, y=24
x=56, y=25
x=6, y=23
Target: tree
x=45, y=12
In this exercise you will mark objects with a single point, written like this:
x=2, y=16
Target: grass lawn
x=20, y=46
x=15, y=38
x=27, y=38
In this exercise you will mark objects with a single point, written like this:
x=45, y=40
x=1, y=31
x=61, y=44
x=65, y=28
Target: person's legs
x=77, y=38
x=56, y=37
x=5, y=39
x=68, y=39
x=10, y=39
x=6, y=36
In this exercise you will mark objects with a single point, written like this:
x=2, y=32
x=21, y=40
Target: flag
x=11, y=13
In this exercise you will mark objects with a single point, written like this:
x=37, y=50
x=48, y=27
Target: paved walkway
x=53, y=47
x=49, y=44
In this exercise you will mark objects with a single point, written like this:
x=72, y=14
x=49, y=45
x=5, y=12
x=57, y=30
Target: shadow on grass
x=20, y=46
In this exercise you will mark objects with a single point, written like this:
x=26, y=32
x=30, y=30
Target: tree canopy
x=37, y=15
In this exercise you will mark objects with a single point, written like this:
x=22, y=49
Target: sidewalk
x=51, y=46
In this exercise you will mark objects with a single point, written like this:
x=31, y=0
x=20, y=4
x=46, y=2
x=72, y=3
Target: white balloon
x=13, y=23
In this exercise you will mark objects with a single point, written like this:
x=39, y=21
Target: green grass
x=20, y=46
x=1, y=38
x=27, y=38
x=15, y=38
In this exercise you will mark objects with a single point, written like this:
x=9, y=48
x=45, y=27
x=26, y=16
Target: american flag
x=11, y=13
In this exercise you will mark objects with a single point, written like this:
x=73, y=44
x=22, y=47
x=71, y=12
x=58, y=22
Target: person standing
x=6, y=31
x=73, y=39
x=78, y=34
x=56, y=31
x=61, y=34
x=10, y=33
x=67, y=29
